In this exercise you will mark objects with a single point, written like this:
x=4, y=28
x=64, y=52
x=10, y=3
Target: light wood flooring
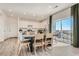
x=9, y=48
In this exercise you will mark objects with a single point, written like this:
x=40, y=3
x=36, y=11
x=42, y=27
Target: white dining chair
x=38, y=42
x=48, y=40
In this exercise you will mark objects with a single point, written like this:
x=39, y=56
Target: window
x=66, y=24
x=63, y=29
x=58, y=25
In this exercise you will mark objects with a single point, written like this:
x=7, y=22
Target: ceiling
x=32, y=11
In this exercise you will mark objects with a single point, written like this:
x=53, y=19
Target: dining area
x=33, y=42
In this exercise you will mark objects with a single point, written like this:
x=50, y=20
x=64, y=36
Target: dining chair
x=22, y=44
x=48, y=40
x=38, y=42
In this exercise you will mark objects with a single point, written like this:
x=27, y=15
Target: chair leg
x=19, y=50
x=35, y=51
x=28, y=49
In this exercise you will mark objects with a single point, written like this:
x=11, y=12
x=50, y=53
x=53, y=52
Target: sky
x=66, y=24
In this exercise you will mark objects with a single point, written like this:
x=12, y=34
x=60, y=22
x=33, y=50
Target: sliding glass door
x=67, y=30
x=63, y=30
x=58, y=30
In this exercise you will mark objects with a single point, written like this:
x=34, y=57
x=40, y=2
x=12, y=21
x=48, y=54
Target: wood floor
x=9, y=48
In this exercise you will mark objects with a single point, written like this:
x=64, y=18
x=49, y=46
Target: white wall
x=8, y=26
x=63, y=14
x=2, y=19
x=25, y=23
x=11, y=27
x=45, y=24
x=37, y=25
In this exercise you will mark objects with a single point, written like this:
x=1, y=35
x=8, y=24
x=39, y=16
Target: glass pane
x=58, y=25
x=66, y=24
x=58, y=30
x=66, y=30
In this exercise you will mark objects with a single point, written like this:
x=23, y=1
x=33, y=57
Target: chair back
x=49, y=35
x=39, y=36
